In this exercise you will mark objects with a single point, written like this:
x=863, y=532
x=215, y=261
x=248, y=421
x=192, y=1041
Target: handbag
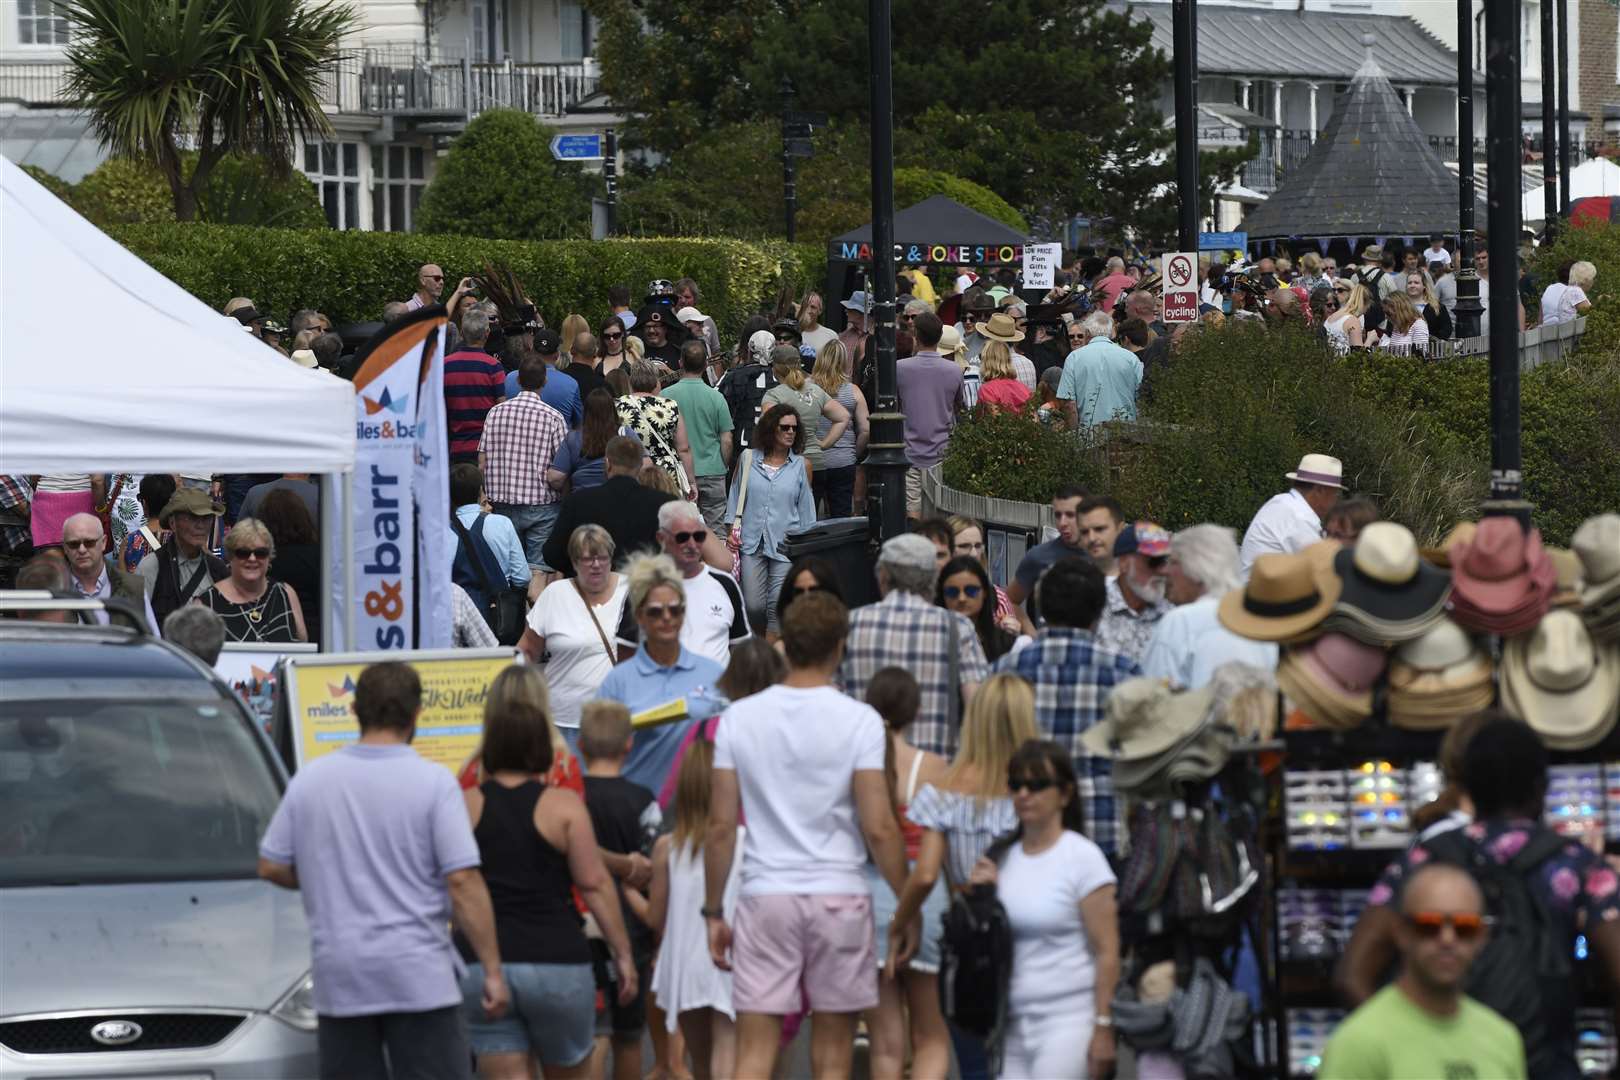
x=613, y=657
x=503, y=607
x=734, y=541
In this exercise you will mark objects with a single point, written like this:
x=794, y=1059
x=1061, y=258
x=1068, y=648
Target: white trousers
x=1049, y=1043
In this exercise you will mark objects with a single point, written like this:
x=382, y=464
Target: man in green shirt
x=1422, y=1026
x=708, y=431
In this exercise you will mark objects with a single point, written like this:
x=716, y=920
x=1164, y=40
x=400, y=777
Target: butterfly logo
x=385, y=402
x=342, y=691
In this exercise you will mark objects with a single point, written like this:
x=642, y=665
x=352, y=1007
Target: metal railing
x=383, y=80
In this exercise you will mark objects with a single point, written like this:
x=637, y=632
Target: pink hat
x=1343, y=664
x=1493, y=572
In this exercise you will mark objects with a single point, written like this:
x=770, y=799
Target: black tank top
x=529, y=882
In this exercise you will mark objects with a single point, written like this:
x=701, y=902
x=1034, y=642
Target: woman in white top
x=1408, y=333
x=570, y=627
x=1570, y=302
x=1058, y=891
x=1343, y=327
x=688, y=987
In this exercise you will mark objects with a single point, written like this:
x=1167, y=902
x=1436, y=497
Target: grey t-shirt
x=184, y=568
x=373, y=831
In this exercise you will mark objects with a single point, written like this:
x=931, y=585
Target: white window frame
x=350, y=184
x=43, y=15
x=383, y=182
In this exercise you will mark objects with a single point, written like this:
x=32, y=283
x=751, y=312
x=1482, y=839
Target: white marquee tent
x=1599, y=176
x=106, y=365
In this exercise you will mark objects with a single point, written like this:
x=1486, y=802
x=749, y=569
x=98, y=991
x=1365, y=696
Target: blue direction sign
x=1217, y=241
x=577, y=147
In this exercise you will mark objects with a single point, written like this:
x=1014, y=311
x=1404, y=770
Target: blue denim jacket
x=776, y=505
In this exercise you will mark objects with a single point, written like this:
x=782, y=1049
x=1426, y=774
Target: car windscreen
x=100, y=791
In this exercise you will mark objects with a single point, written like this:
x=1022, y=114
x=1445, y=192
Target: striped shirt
x=969, y=825
x=474, y=382
x=519, y=441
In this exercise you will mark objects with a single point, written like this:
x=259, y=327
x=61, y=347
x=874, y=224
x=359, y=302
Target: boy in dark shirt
x=626, y=819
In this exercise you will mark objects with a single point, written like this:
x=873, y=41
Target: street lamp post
x=1468, y=306
x=1549, y=112
x=886, y=450
x=1504, y=161
x=1185, y=16
x=1563, y=108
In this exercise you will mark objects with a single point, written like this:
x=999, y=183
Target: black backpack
x=476, y=569
x=1525, y=971
x=976, y=957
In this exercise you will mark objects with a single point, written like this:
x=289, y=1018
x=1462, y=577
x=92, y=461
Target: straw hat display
x=1286, y=598
x=1331, y=680
x=1144, y=718
x=1597, y=546
x=1389, y=594
x=1502, y=580
x=1562, y=683
x=1437, y=678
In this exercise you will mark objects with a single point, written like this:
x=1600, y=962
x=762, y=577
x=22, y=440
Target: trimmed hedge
x=351, y=275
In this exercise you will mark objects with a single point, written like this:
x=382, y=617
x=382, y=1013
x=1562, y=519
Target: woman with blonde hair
x=251, y=605
x=1310, y=272
x=1408, y=333
x=810, y=401
x=834, y=481
x=999, y=387
x=524, y=684
x=965, y=812
x=1344, y=327
x=572, y=327
x=1420, y=290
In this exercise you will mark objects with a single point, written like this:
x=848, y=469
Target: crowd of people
x=718, y=798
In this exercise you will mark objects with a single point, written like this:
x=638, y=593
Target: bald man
x=430, y=285
x=1422, y=1024
x=91, y=575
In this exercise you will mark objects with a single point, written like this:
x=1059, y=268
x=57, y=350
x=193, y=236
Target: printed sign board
x=1223, y=241
x=1180, y=286
x=577, y=147
x=1040, y=265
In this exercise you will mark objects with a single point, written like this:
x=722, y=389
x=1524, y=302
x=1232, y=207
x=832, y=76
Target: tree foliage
x=500, y=180
x=222, y=76
x=1049, y=103
x=240, y=191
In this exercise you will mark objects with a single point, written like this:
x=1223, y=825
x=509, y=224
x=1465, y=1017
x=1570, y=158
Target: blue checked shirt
x=1072, y=676
x=906, y=631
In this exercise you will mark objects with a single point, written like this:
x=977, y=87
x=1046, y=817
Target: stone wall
x=1599, y=83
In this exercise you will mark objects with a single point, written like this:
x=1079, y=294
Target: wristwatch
x=1104, y=1021
x=712, y=913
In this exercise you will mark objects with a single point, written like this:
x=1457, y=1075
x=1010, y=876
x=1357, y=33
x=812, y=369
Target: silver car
x=135, y=937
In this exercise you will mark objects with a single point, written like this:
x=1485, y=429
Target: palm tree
x=219, y=76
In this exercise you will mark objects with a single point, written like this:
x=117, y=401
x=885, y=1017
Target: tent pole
x=348, y=561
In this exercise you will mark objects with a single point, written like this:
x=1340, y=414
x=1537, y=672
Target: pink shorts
x=823, y=942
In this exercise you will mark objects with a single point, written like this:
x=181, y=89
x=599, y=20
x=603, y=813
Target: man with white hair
x=1100, y=378
x=1189, y=642
x=716, y=619
x=1108, y=288
x=84, y=542
x=907, y=630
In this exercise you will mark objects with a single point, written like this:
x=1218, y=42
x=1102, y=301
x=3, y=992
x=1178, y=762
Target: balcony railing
x=386, y=80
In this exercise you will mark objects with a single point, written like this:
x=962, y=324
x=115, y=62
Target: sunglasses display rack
x=1595, y=1048
x=1316, y=923
x=1308, y=1033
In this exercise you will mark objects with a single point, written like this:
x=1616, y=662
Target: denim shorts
x=552, y=1014
x=884, y=904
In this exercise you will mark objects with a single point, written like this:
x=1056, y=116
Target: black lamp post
x=886, y=461
x=1185, y=16
x=1563, y=107
x=1504, y=152
x=1468, y=306
x=1549, y=111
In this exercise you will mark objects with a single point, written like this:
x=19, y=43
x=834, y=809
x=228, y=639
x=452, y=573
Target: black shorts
x=613, y=1018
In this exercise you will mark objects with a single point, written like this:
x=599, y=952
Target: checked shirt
x=520, y=439
x=1072, y=676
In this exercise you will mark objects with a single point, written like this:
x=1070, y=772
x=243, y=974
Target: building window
x=1530, y=40
x=400, y=177
x=574, y=30
x=40, y=23
x=334, y=169
x=488, y=18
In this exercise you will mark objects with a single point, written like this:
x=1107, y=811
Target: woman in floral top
x=145, y=535
x=1505, y=774
x=657, y=422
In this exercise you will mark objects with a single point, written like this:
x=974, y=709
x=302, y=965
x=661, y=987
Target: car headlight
x=297, y=1006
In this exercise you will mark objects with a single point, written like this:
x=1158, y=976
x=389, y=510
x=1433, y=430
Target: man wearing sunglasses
x=1136, y=595
x=715, y=616
x=85, y=545
x=1544, y=891
x=1423, y=1024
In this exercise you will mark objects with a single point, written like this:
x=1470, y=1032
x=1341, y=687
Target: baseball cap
x=546, y=341
x=1143, y=538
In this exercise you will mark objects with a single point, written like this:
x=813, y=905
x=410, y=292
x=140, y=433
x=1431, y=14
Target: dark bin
x=845, y=544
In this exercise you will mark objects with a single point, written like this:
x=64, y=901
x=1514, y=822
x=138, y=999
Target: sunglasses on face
x=660, y=611
x=75, y=545
x=789, y=428
x=1466, y=925
x=798, y=592
x=1033, y=784
x=953, y=592
x=697, y=536
x=250, y=553
x=1158, y=562
x=432, y=277
x=611, y=337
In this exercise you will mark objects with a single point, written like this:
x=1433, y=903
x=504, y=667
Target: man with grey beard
x=1136, y=595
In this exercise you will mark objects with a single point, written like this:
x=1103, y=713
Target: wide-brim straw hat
x=1597, y=546
x=1144, y=718
x=1386, y=583
x=1562, y=682
x=1286, y=597
x=1500, y=569
x=1328, y=708
x=1001, y=327
x=1434, y=700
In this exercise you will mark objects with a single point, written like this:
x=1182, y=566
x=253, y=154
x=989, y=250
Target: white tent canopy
x=1599, y=176
x=108, y=366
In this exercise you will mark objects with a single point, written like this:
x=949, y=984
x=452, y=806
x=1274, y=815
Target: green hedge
x=351, y=275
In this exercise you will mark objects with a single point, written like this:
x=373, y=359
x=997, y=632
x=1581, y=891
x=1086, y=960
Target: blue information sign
x=1223, y=241
x=577, y=147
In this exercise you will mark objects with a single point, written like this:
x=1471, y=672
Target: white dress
x=685, y=977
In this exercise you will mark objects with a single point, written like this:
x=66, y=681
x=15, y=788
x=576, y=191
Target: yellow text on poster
x=452, y=720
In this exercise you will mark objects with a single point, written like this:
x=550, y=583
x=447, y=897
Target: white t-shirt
x=1052, y=958
x=1431, y=256
x=795, y=752
x=577, y=661
x=964, y=282
x=817, y=339
x=715, y=621
x=1562, y=309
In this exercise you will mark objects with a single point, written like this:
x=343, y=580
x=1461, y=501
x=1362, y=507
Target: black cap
x=655, y=316
x=546, y=341
x=246, y=315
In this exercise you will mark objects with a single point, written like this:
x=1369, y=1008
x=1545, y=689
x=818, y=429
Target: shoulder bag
x=503, y=607
x=681, y=479
x=613, y=656
x=734, y=541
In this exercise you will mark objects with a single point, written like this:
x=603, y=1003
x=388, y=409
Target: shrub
x=500, y=180
x=350, y=275
x=54, y=184
x=241, y=190
x=123, y=191
x=1014, y=456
